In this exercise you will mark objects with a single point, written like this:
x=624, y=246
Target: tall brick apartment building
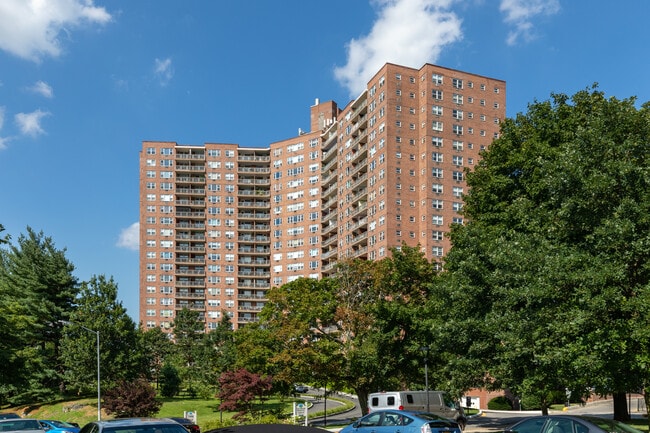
x=221, y=224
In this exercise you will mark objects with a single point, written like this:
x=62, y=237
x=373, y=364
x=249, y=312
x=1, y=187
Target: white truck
x=438, y=402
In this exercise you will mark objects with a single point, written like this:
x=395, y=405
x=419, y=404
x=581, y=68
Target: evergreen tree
x=37, y=291
x=120, y=352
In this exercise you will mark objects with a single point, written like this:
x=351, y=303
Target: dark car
x=570, y=424
x=54, y=426
x=9, y=415
x=134, y=425
x=389, y=421
x=22, y=425
x=190, y=425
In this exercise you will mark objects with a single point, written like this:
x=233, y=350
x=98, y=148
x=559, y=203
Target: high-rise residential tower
x=220, y=224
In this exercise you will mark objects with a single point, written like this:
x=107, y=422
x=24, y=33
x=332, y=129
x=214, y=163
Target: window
x=436, y=157
x=437, y=95
x=436, y=78
x=457, y=114
x=457, y=83
x=437, y=172
x=436, y=125
x=436, y=110
x=436, y=141
x=458, y=99
x=457, y=160
x=457, y=175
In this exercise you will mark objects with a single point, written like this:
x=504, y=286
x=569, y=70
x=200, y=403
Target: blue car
x=393, y=421
x=53, y=426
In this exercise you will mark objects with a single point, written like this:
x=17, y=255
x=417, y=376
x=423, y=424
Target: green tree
x=555, y=254
x=188, y=333
x=37, y=290
x=361, y=329
x=120, y=353
x=156, y=348
x=170, y=381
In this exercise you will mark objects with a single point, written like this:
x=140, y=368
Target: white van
x=439, y=403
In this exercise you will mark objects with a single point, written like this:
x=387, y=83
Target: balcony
x=199, y=284
x=190, y=226
x=250, y=262
x=187, y=214
x=253, y=216
x=190, y=168
x=186, y=248
x=248, y=181
x=183, y=294
x=253, y=158
x=190, y=156
x=196, y=306
x=262, y=170
x=253, y=192
x=254, y=227
x=190, y=191
x=251, y=250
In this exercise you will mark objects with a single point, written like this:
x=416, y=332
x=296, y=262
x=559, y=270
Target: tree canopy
x=554, y=257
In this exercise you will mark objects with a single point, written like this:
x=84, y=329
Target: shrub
x=500, y=403
x=132, y=399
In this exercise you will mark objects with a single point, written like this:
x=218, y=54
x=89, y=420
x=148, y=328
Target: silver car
x=570, y=424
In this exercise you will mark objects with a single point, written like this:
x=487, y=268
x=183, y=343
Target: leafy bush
x=132, y=399
x=500, y=403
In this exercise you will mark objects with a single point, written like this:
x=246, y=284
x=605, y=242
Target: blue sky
x=83, y=83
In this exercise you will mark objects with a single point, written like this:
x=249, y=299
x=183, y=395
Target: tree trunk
x=646, y=398
x=620, y=407
x=362, y=395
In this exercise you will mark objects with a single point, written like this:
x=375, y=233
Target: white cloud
x=407, y=32
x=130, y=237
x=3, y=140
x=519, y=13
x=30, y=123
x=43, y=89
x=163, y=70
x=32, y=29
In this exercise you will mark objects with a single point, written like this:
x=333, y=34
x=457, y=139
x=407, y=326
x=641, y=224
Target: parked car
x=134, y=425
x=54, y=426
x=22, y=425
x=570, y=424
x=188, y=424
x=9, y=415
x=301, y=389
x=402, y=421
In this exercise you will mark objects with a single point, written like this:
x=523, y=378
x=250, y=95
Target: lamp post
x=425, y=349
x=99, y=387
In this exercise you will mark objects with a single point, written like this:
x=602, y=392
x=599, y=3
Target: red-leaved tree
x=239, y=389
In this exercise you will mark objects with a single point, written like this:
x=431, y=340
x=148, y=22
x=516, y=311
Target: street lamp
x=425, y=349
x=99, y=387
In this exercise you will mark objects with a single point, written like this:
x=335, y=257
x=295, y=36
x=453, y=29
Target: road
x=488, y=421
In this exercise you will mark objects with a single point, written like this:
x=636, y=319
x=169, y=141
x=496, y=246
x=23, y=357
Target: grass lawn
x=85, y=410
